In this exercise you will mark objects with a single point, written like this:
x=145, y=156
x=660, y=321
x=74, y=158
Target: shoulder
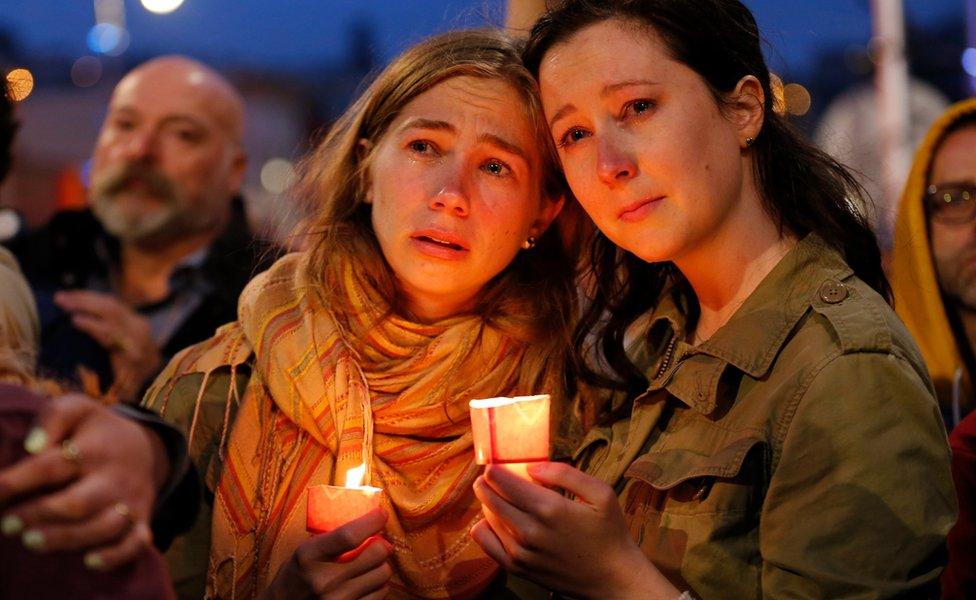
x=849, y=319
x=196, y=369
x=855, y=366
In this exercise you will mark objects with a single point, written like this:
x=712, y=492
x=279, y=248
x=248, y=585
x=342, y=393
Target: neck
x=429, y=308
x=730, y=264
x=145, y=269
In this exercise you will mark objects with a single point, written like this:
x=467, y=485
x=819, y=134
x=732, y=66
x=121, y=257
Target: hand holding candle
x=511, y=431
x=332, y=506
x=349, y=562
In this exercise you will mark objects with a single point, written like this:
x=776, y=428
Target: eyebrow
x=489, y=138
x=173, y=118
x=606, y=91
x=613, y=87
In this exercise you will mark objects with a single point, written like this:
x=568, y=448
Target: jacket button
x=833, y=292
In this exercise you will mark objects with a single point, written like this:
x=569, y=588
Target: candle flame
x=354, y=476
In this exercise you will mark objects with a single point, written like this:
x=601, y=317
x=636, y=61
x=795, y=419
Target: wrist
x=639, y=578
x=160, y=458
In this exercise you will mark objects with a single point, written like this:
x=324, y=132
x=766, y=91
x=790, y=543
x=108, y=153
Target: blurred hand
x=318, y=569
x=89, y=483
x=123, y=332
x=582, y=548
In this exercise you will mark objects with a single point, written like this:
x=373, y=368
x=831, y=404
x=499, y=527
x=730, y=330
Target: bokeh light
x=20, y=83
x=86, y=71
x=969, y=61
x=797, y=99
x=106, y=38
x=277, y=175
x=161, y=7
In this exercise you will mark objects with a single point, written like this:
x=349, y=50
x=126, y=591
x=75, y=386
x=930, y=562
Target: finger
x=81, y=500
x=125, y=551
x=33, y=474
x=85, y=301
x=100, y=329
x=61, y=416
x=485, y=536
x=379, y=594
x=327, y=546
x=369, y=582
x=524, y=495
x=587, y=488
x=515, y=553
x=106, y=527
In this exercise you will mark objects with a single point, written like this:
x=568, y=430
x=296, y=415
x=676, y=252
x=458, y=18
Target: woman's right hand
x=315, y=569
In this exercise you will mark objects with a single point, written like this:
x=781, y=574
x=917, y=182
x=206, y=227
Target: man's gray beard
x=171, y=221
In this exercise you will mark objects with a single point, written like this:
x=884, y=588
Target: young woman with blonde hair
x=432, y=277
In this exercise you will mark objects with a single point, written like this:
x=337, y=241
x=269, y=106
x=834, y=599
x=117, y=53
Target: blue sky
x=297, y=34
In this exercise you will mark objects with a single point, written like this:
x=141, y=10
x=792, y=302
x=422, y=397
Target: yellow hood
x=918, y=300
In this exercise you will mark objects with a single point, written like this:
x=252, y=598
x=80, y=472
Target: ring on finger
x=121, y=343
x=124, y=511
x=71, y=452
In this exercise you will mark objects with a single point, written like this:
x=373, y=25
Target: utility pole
x=891, y=81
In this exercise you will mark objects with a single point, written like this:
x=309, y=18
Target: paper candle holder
x=510, y=430
x=332, y=506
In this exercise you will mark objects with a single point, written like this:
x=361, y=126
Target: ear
x=747, y=108
x=238, y=166
x=548, y=212
x=363, y=148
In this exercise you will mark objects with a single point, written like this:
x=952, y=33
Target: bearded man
x=159, y=260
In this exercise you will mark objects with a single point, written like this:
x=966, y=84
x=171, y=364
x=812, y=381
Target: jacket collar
x=753, y=337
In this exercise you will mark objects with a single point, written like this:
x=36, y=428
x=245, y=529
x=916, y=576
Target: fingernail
x=11, y=525
x=36, y=440
x=94, y=561
x=33, y=540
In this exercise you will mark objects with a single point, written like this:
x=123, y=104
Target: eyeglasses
x=952, y=204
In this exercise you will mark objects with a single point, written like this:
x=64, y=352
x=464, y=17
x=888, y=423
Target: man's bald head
x=169, y=157
x=179, y=75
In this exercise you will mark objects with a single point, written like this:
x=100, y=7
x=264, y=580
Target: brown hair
x=532, y=297
x=803, y=190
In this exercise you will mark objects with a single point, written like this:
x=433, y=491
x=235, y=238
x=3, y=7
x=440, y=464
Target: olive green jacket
x=798, y=453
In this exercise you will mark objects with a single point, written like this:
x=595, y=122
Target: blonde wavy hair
x=533, y=296
x=19, y=329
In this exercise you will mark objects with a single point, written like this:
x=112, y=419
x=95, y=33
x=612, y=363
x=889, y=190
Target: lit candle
x=511, y=431
x=332, y=506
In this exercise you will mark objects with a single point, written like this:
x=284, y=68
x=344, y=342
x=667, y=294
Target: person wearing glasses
x=934, y=283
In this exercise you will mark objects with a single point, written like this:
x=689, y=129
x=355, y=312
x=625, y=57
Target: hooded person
x=934, y=281
x=933, y=274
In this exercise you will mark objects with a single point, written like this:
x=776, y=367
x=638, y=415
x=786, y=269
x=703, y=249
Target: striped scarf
x=331, y=390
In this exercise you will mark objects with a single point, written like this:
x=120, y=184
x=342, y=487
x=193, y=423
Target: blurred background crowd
x=299, y=64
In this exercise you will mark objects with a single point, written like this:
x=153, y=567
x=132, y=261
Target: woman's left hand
x=579, y=547
x=89, y=483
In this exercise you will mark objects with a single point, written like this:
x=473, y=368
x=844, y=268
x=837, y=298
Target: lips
x=442, y=244
x=635, y=211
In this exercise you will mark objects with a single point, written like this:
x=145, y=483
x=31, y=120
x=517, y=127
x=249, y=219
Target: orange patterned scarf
x=331, y=390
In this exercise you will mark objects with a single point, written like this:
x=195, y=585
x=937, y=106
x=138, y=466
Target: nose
x=451, y=197
x=141, y=146
x=614, y=164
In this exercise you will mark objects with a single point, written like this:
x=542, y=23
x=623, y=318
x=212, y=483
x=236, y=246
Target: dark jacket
x=73, y=251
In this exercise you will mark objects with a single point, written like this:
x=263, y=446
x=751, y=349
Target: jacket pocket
x=695, y=480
